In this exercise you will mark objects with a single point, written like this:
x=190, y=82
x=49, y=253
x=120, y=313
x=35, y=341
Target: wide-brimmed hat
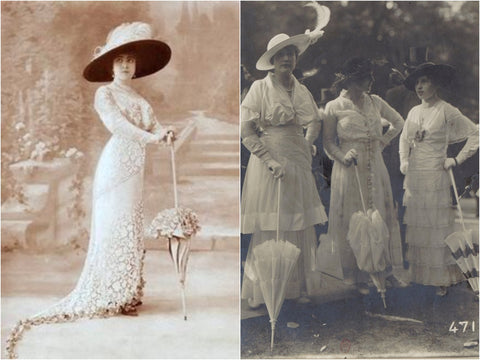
x=442, y=73
x=278, y=42
x=353, y=69
x=151, y=55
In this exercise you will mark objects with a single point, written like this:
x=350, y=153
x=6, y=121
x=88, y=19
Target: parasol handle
x=184, y=303
x=278, y=208
x=273, y=334
x=359, y=186
x=452, y=179
x=174, y=175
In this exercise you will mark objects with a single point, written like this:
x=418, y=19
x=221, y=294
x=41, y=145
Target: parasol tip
x=185, y=318
x=382, y=294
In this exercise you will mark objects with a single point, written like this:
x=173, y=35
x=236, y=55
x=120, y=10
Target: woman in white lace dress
x=111, y=281
x=353, y=130
x=429, y=129
x=278, y=108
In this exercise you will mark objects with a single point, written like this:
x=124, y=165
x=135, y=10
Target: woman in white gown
x=429, y=129
x=278, y=108
x=353, y=130
x=111, y=281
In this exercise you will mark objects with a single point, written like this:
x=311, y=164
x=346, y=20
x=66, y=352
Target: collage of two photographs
x=239, y=179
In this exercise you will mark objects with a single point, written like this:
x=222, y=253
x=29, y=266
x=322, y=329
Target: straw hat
x=444, y=74
x=277, y=43
x=136, y=38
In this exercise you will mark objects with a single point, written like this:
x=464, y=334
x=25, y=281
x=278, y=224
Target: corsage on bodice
x=134, y=107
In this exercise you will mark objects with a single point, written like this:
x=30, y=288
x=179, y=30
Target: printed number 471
x=463, y=324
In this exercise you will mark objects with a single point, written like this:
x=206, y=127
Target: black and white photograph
x=120, y=178
x=359, y=172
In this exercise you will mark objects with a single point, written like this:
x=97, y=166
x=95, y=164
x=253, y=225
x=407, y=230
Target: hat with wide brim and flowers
x=133, y=38
x=277, y=43
x=442, y=73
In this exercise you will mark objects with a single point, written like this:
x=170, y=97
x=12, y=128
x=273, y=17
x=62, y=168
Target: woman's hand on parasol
x=449, y=163
x=155, y=139
x=350, y=156
x=276, y=168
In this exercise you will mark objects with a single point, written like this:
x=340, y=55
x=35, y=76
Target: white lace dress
x=429, y=213
x=111, y=279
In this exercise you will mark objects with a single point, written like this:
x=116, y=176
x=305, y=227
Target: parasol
x=462, y=246
x=367, y=235
x=178, y=225
x=274, y=261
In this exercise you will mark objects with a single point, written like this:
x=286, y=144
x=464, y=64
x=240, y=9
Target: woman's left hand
x=313, y=150
x=449, y=163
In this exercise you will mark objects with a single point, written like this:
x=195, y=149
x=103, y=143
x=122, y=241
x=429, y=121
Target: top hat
x=136, y=38
x=442, y=73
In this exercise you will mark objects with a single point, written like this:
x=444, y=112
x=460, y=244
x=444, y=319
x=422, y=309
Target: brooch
x=420, y=135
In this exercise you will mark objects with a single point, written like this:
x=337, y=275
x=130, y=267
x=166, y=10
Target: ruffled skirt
x=429, y=217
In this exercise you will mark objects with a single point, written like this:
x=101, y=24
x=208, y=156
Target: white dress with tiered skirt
x=429, y=214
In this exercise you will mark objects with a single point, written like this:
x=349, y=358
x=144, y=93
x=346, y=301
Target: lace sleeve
x=115, y=121
x=157, y=128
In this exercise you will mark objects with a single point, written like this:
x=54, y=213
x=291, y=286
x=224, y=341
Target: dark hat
x=353, y=69
x=416, y=56
x=441, y=73
x=151, y=55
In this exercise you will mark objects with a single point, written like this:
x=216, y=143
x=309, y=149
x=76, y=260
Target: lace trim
x=118, y=287
x=127, y=158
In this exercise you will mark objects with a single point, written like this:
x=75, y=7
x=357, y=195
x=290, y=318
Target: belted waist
x=284, y=130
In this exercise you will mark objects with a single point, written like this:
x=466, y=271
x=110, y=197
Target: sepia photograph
x=359, y=175
x=120, y=179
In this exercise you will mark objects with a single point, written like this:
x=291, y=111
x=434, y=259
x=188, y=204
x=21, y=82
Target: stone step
x=210, y=169
x=214, y=145
x=222, y=136
x=213, y=156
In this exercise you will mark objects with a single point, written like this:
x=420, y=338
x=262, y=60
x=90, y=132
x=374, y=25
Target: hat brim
x=150, y=56
x=442, y=72
x=301, y=42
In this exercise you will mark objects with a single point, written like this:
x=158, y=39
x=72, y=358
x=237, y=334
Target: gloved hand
x=349, y=157
x=313, y=150
x=404, y=167
x=276, y=168
x=449, y=163
x=156, y=138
